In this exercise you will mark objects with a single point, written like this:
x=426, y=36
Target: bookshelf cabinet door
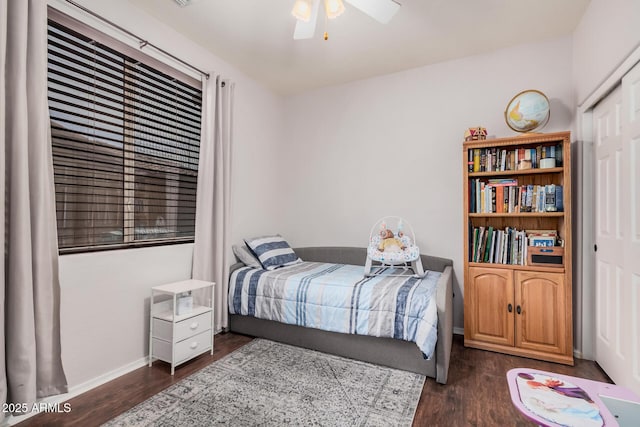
x=491, y=306
x=540, y=323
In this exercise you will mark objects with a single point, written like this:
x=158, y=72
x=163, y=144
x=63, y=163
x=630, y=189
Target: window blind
x=125, y=142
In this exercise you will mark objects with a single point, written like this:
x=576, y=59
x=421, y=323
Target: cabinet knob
x=510, y=308
x=194, y=325
x=518, y=309
x=194, y=345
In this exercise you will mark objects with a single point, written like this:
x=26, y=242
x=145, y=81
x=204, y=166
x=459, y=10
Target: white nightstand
x=176, y=338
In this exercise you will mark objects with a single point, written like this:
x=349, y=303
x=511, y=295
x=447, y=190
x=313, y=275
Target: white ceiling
x=256, y=36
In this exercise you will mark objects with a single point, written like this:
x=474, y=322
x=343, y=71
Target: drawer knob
x=194, y=345
x=194, y=325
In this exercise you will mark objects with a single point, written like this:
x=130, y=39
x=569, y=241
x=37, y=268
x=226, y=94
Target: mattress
x=338, y=298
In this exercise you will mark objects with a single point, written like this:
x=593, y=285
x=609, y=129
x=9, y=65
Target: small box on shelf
x=184, y=303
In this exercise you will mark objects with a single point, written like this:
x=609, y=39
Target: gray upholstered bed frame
x=383, y=351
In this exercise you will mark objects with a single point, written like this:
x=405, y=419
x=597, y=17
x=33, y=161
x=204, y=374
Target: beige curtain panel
x=30, y=297
x=213, y=199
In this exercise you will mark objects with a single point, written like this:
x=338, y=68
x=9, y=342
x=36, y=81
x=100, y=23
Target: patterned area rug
x=270, y=384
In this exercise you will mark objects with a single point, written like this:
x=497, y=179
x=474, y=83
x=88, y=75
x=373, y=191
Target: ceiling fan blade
x=380, y=10
x=305, y=30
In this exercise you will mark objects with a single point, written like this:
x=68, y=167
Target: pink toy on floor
x=556, y=400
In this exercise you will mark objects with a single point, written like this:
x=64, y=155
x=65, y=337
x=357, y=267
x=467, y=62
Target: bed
x=434, y=341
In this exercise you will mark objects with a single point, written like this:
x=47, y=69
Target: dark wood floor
x=476, y=393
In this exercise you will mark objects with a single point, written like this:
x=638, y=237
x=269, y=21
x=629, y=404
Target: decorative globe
x=527, y=111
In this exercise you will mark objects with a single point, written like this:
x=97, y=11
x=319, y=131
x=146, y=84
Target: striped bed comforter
x=338, y=298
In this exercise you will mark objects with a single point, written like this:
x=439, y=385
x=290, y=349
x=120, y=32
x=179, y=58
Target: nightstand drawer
x=193, y=346
x=163, y=329
x=184, y=350
x=195, y=325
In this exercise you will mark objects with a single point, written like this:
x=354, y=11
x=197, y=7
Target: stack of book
x=497, y=159
x=508, y=246
x=505, y=196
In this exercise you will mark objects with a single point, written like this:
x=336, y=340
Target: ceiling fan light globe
x=333, y=8
x=302, y=10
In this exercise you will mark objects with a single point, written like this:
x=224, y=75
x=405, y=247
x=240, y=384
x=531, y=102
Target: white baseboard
x=77, y=390
x=105, y=378
x=458, y=330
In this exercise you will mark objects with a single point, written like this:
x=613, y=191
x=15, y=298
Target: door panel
x=540, y=325
x=630, y=327
x=608, y=132
x=492, y=293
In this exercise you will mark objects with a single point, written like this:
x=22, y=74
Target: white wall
x=607, y=33
x=105, y=295
x=392, y=145
x=105, y=305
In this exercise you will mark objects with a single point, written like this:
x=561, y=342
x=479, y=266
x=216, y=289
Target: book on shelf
x=483, y=245
x=476, y=160
x=473, y=232
x=499, y=247
x=492, y=159
x=509, y=246
x=505, y=196
x=488, y=249
x=492, y=247
x=559, y=199
x=494, y=196
x=529, y=199
x=537, y=198
x=540, y=199
x=478, y=245
x=550, y=198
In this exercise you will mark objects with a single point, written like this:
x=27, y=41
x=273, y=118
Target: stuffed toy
x=389, y=242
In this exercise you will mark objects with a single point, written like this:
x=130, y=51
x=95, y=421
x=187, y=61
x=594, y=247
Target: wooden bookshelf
x=509, y=306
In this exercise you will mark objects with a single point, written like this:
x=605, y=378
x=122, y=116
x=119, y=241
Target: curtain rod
x=142, y=42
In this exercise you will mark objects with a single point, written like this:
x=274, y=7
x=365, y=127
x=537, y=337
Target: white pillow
x=245, y=256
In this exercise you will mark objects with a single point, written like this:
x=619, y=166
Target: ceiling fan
x=306, y=13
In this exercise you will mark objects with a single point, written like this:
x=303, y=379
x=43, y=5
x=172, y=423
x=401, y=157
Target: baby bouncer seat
x=392, y=244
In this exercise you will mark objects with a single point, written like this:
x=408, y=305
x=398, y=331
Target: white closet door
x=631, y=145
x=617, y=185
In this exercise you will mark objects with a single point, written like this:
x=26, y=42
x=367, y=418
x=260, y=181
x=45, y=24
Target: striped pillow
x=272, y=251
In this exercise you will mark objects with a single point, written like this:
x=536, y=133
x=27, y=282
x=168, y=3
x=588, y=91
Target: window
x=125, y=141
